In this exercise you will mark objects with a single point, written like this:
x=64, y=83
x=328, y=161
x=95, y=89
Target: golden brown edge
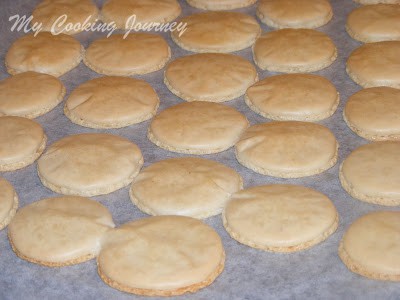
x=164, y=293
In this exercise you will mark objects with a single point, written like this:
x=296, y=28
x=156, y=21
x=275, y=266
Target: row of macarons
x=284, y=50
x=284, y=149
x=274, y=13
x=117, y=101
x=313, y=13
x=143, y=53
x=69, y=230
x=284, y=218
x=268, y=50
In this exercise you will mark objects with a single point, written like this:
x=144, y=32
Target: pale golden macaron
x=161, y=256
x=294, y=13
x=217, y=32
x=280, y=217
x=287, y=149
x=373, y=113
x=294, y=51
x=374, y=23
x=64, y=16
x=197, y=128
x=220, y=4
x=111, y=102
x=44, y=53
x=370, y=247
x=22, y=141
x=375, y=64
x=296, y=97
x=132, y=12
x=213, y=77
x=8, y=202
x=187, y=186
x=30, y=94
x=89, y=164
x=377, y=1
x=371, y=173
x=61, y=231
x=137, y=53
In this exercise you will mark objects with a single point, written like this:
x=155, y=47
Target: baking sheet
x=249, y=273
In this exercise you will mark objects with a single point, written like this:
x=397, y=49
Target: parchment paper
x=317, y=273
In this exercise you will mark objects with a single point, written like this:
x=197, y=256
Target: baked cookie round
x=217, y=32
x=373, y=113
x=280, y=217
x=50, y=14
x=22, y=141
x=30, y=94
x=61, y=231
x=213, y=77
x=8, y=202
x=296, y=97
x=89, y=164
x=188, y=186
x=375, y=64
x=111, y=102
x=138, y=53
x=374, y=23
x=287, y=149
x=197, y=128
x=294, y=14
x=44, y=53
x=371, y=173
x=132, y=12
x=161, y=256
x=370, y=247
x=294, y=51
x=220, y=4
